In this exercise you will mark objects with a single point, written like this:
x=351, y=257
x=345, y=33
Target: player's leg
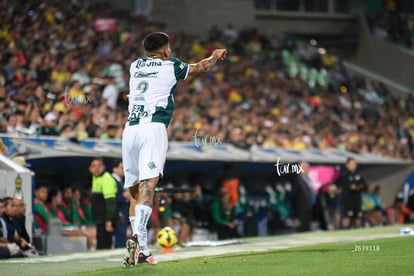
x=130, y=160
x=346, y=218
x=358, y=217
x=132, y=203
x=143, y=211
x=346, y=221
x=153, y=144
x=185, y=231
x=130, y=258
x=349, y=214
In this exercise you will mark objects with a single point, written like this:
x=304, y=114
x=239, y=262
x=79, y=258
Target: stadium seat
x=55, y=243
x=61, y=244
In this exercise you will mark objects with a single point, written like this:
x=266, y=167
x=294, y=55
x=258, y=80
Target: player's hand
x=220, y=54
x=13, y=248
x=23, y=243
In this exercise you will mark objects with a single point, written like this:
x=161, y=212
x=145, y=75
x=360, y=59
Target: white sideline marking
x=116, y=255
x=62, y=258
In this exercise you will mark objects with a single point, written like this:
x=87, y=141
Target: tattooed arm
x=206, y=64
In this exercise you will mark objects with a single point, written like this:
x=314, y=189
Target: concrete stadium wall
x=383, y=56
x=195, y=16
x=306, y=23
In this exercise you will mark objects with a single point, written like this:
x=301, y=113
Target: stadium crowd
x=60, y=76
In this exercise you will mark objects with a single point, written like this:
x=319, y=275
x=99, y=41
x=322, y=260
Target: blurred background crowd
x=61, y=76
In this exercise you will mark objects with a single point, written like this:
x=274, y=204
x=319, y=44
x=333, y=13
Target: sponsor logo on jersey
x=139, y=98
x=151, y=165
x=147, y=63
x=140, y=74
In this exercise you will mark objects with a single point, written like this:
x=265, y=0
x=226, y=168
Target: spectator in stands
x=223, y=215
x=12, y=125
x=112, y=132
x=82, y=75
x=30, y=67
x=351, y=185
x=48, y=126
x=76, y=94
x=110, y=92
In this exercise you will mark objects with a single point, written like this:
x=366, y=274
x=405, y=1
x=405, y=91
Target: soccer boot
x=131, y=247
x=149, y=259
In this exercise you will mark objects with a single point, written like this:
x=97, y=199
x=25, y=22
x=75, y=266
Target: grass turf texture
x=394, y=257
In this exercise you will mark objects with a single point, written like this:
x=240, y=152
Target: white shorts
x=144, y=150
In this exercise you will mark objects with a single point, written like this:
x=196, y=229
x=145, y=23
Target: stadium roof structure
x=33, y=148
x=7, y=164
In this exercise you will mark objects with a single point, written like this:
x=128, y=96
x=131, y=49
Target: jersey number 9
x=142, y=87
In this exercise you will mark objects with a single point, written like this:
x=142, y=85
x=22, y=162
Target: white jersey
x=152, y=82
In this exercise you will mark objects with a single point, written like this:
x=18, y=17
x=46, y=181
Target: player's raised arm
x=206, y=64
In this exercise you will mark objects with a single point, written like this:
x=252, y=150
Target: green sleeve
x=40, y=209
x=180, y=69
x=88, y=213
x=66, y=212
x=76, y=217
x=216, y=213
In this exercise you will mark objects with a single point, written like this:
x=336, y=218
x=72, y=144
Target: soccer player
x=153, y=79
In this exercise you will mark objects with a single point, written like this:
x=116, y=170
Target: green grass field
x=368, y=251
x=390, y=256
